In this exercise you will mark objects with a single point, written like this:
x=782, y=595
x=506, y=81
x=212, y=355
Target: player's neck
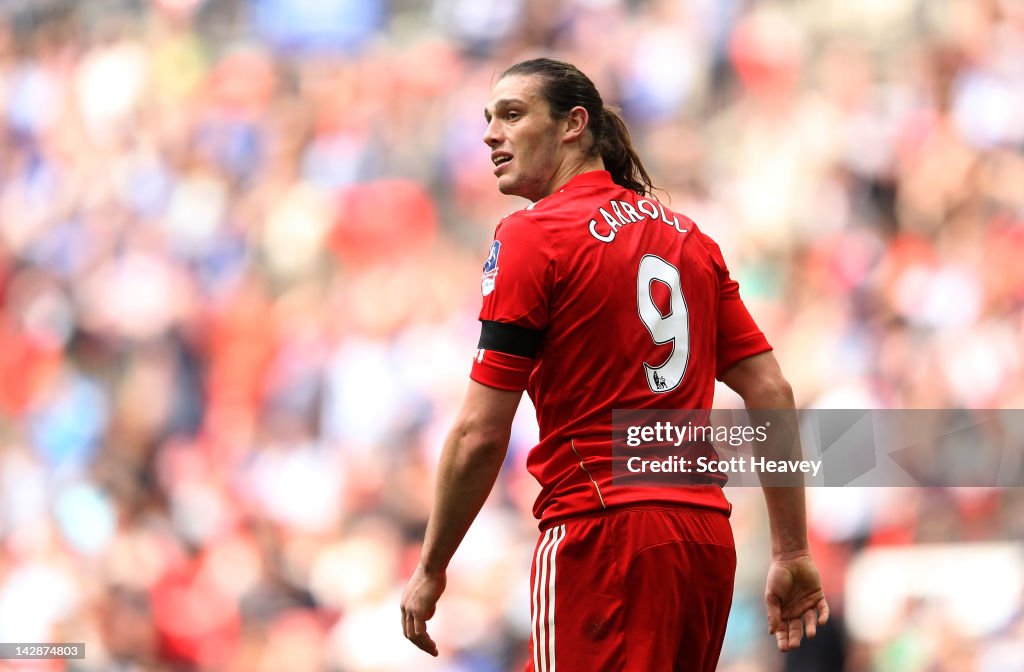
x=570, y=169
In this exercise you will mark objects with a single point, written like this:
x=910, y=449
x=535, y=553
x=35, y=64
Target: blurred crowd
x=240, y=246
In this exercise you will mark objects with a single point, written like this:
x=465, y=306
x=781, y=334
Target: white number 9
x=673, y=328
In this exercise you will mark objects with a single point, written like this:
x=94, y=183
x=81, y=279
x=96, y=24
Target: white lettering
x=618, y=213
x=674, y=222
x=735, y=465
x=608, y=218
x=652, y=213
x=604, y=239
x=630, y=211
x=626, y=213
x=784, y=466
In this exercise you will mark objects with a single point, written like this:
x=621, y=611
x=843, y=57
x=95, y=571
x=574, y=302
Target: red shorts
x=639, y=589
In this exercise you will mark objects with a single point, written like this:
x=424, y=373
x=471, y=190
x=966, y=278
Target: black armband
x=510, y=339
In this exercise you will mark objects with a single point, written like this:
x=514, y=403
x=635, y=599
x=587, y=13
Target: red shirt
x=629, y=306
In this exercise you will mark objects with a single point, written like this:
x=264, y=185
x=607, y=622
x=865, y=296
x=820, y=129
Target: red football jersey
x=604, y=299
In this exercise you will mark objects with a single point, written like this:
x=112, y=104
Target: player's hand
x=418, y=603
x=795, y=601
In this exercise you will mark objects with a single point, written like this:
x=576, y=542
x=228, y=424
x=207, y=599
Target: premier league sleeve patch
x=490, y=269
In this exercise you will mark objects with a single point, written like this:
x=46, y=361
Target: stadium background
x=240, y=246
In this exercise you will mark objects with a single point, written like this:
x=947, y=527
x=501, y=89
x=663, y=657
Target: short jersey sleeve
x=516, y=284
x=738, y=336
x=518, y=274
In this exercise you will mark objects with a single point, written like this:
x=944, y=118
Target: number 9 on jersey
x=672, y=328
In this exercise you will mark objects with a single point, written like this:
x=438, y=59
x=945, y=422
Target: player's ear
x=576, y=123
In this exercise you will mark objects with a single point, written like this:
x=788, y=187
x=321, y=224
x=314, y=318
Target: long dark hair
x=564, y=87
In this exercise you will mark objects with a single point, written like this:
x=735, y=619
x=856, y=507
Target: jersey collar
x=591, y=178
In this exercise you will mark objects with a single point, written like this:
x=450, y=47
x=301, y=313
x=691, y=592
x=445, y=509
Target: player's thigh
x=630, y=590
x=677, y=605
x=678, y=593
x=576, y=600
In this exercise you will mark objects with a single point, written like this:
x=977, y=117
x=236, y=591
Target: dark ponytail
x=620, y=159
x=565, y=87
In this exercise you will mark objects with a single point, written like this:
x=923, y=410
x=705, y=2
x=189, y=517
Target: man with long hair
x=598, y=297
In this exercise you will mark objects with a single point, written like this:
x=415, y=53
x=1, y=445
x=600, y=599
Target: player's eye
x=512, y=115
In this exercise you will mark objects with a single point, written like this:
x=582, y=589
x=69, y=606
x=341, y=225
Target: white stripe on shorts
x=544, y=600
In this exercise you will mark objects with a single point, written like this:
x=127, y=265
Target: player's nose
x=492, y=135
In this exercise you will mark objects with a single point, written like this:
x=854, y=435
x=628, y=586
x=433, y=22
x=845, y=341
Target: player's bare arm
x=793, y=595
x=469, y=465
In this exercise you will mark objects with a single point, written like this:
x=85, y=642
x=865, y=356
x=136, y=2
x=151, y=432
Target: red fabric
x=738, y=335
x=554, y=273
x=657, y=598
x=501, y=370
